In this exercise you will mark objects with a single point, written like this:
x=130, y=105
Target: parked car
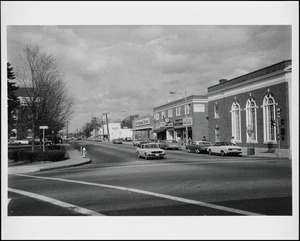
x=36, y=141
x=136, y=142
x=148, y=150
x=224, y=148
x=117, y=141
x=170, y=144
x=13, y=142
x=198, y=146
x=23, y=142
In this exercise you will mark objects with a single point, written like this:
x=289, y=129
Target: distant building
x=142, y=127
x=114, y=131
x=126, y=134
x=170, y=119
x=253, y=108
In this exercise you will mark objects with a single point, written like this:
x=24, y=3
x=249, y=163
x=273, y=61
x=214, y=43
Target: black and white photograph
x=150, y=120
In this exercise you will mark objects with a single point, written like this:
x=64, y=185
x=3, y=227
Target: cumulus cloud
x=111, y=68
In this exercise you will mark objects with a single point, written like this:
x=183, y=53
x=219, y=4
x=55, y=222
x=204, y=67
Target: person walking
x=204, y=138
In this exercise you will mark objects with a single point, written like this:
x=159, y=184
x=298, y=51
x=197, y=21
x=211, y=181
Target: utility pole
x=107, y=125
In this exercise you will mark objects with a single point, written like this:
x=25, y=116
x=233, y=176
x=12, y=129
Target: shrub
x=38, y=155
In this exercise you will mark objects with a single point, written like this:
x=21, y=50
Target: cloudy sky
x=131, y=68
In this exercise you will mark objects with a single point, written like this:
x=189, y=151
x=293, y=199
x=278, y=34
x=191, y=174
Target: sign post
x=43, y=128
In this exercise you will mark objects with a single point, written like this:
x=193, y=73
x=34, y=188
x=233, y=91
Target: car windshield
x=151, y=146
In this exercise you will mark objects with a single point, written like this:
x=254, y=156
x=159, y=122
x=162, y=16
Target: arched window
x=269, y=118
x=251, y=120
x=236, y=121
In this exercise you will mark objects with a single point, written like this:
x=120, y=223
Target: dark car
x=198, y=146
x=117, y=141
x=170, y=144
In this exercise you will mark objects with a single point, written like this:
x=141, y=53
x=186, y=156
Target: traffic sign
x=43, y=127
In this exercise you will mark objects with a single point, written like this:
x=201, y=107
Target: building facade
x=253, y=108
x=112, y=131
x=170, y=120
x=143, y=127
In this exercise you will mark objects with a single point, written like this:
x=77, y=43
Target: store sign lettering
x=142, y=122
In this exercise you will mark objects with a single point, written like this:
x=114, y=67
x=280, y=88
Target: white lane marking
x=68, y=206
x=178, y=199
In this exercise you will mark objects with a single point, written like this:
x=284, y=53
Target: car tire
x=197, y=151
x=222, y=153
x=209, y=152
x=162, y=157
x=188, y=150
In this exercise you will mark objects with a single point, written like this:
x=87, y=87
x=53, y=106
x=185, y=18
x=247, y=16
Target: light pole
x=185, y=106
x=107, y=125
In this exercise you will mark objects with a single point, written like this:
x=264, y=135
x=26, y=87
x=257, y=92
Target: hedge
x=37, y=156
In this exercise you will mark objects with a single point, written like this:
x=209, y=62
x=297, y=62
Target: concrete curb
x=65, y=166
x=75, y=159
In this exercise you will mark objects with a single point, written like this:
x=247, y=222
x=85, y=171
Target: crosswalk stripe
x=169, y=197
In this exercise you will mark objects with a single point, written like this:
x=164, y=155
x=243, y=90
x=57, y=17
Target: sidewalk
x=75, y=159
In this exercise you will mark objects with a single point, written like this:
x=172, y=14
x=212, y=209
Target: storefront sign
x=199, y=108
x=142, y=122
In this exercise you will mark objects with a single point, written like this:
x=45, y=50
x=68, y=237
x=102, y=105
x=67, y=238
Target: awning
x=159, y=130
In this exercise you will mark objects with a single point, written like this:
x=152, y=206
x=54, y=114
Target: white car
x=224, y=148
x=23, y=142
x=148, y=150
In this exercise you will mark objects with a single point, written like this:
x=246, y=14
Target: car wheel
x=222, y=153
x=162, y=157
x=197, y=151
x=188, y=150
x=209, y=152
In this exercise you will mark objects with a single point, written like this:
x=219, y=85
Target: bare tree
x=47, y=100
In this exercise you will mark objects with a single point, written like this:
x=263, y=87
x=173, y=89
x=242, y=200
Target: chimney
x=222, y=81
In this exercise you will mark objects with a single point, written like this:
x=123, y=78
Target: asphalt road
x=117, y=183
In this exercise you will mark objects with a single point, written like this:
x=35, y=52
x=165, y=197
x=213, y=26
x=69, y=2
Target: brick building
x=169, y=119
x=254, y=108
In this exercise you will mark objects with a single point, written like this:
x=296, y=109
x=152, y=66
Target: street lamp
x=185, y=103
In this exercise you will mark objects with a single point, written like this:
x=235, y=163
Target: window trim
x=267, y=120
x=236, y=129
x=248, y=109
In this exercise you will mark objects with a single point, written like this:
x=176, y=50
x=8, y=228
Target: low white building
x=126, y=134
x=113, y=131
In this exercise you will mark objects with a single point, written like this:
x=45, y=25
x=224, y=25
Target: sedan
x=117, y=141
x=170, y=144
x=148, y=150
x=198, y=146
x=224, y=148
x=12, y=142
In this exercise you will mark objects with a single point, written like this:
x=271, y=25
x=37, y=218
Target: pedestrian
x=204, y=138
x=233, y=140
